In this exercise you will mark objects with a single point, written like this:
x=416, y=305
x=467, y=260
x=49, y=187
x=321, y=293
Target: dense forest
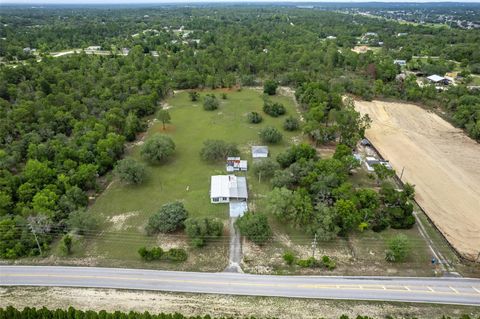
x=44, y=313
x=64, y=120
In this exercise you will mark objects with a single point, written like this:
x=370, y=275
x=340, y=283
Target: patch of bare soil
x=216, y=305
x=439, y=159
x=118, y=221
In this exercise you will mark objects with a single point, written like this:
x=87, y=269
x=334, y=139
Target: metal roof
x=259, y=151
x=228, y=186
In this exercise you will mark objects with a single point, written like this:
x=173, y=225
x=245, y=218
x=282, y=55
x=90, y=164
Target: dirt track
x=439, y=159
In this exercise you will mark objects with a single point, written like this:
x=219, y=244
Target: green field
x=125, y=209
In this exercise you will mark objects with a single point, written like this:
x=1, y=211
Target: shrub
x=176, y=255
x=130, y=171
x=255, y=227
x=194, y=96
x=210, y=103
x=398, y=248
x=273, y=109
x=308, y=263
x=270, y=87
x=295, y=153
x=224, y=96
x=199, y=230
x=217, y=150
x=66, y=244
x=271, y=135
x=158, y=148
x=291, y=124
x=265, y=168
x=289, y=258
x=254, y=118
x=168, y=219
x=155, y=253
x=328, y=263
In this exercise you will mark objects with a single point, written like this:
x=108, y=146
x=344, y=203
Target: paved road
x=434, y=290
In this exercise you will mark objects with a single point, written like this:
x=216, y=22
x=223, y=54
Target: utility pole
x=401, y=174
x=314, y=245
x=36, y=239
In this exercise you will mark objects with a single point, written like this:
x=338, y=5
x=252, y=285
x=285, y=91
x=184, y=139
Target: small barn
x=226, y=188
x=235, y=164
x=437, y=79
x=259, y=151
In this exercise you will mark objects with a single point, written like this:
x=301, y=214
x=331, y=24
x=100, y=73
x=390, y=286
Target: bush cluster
x=255, y=227
x=326, y=262
x=274, y=109
x=200, y=230
x=157, y=253
x=270, y=135
x=218, y=150
x=210, y=102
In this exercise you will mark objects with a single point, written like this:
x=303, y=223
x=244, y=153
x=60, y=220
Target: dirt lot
x=439, y=159
x=217, y=305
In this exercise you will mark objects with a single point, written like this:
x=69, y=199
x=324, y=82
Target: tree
x=169, y=218
x=255, y=227
x=132, y=126
x=254, y=118
x=210, y=102
x=130, y=171
x=158, y=148
x=200, y=230
x=265, y=168
x=270, y=87
x=291, y=124
x=194, y=96
x=348, y=215
x=83, y=222
x=270, y=134
x=324, y=224
x=398, y=248
x=383, y=172
x=45, y=202
x=164, y=117
x=218, y=150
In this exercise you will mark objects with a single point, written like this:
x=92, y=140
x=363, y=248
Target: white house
x=225, y=188
x=236, y=164
x=259, y=151
x=400, y=62
x=437, y=79
x=93, y=48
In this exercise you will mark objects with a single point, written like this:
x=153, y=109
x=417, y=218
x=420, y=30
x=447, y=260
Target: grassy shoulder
x=220, y=305
x=125, y=209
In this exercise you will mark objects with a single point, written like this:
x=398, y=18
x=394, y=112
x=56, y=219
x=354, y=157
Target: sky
x=39, y=2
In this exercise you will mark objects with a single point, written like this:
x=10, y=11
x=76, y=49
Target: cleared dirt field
x=439, y=160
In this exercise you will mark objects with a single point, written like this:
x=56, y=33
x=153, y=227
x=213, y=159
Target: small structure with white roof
x=371, y=161
x=236, y=164
x=225, y=188
x=259, y=151
x=437, y=79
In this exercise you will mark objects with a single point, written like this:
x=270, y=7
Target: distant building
x=154, y=54
x=94, y=48
x=371, y=34
x=236, y=164
x=402, y=34
x=365, y=142
x=226, y=188
x=259, y=151
x=400, y=62
x=437, y=79
x=371, y=161
x=331, y=37
x=125, y=51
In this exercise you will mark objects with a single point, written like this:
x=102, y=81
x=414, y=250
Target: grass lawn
x=125, y=209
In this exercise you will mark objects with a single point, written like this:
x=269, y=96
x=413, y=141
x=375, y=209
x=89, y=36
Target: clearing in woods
x=442, y=163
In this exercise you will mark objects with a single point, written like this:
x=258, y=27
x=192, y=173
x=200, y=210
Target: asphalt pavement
x=463, y=291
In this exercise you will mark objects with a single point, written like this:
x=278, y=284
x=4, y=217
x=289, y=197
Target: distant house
x=400, y=62
x=437, y=79
x=331, y=37
x=226, y=188
x=365, y=142
x=371, y=161
x=154, y=54
x=125, y=51
x=236, y=164
x=402, y=34
x=94, y=48
x=371, y=34
x=259, y=151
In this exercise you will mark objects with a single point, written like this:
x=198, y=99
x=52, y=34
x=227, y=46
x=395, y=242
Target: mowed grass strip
x=125, y=209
